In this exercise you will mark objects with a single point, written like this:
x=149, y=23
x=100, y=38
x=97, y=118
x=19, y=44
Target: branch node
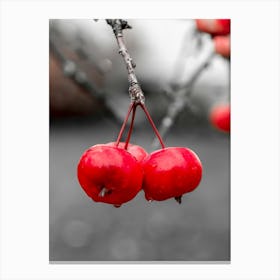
x=135, y=93
x=118, y=25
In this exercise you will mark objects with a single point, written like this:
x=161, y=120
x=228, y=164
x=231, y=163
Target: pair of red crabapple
x=115, y=172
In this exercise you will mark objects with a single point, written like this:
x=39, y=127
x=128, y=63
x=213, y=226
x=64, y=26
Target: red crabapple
x=220, y=117
x=171, y=172
x=222, y=45
x=214, y=26
x=110, y=174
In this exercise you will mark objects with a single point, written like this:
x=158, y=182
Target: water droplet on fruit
x=117, y=205
x=178, y=199
x=148, y=198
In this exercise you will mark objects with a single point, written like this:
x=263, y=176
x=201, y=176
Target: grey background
x=82, y=230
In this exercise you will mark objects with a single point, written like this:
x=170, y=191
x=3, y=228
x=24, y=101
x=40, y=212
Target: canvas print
x=139, y=140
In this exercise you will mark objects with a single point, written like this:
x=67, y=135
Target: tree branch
x=135, y=92
x=180, y=91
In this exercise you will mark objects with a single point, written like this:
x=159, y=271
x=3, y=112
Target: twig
x=182, y=90
x=135, y=92
x=201, y=62
x=189, y=42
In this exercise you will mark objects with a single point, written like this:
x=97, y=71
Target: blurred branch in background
x=185, y=75
x=74, y=90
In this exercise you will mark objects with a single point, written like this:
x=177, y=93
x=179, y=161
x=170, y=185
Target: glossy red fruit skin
x=171, y=172
x=220, y=117
x=222, y=45
x=214, y=26
x=115, y=169
x=137, y=151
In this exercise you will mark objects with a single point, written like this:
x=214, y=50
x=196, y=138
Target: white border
x=255, y=138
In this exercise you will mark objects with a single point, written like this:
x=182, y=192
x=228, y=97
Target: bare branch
x=180, y=91
x=135, y=92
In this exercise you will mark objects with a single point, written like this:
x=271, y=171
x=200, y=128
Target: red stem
x=131, y=126
x=124, y=123
x=152, y=124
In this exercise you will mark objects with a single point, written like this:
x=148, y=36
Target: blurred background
x=183, y=78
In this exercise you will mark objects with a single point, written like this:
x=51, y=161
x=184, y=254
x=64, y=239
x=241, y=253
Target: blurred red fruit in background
x=222, y=45
x=220, y=117
x=214, y=26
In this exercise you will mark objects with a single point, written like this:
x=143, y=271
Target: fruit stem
x=124, y=123
x=131, y=126
x=152, y=124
